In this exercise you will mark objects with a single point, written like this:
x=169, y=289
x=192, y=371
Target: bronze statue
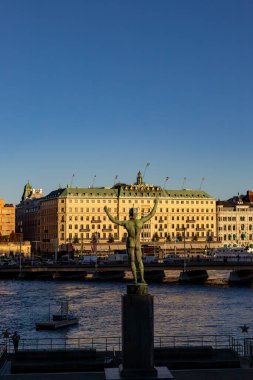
x=134, y=227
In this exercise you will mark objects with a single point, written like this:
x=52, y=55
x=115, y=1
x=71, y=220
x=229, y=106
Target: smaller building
x=28, y=215
x=235, y=220
x=7, y=219
x=11, y=248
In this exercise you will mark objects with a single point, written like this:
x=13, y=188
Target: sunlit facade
x=235, y=221
x=76, y=215
x=7, y=218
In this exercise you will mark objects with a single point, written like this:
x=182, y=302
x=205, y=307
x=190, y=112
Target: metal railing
x=3, y=354
x=215, y=341
x=115, y=343
x=50, y=344
x=238, y=345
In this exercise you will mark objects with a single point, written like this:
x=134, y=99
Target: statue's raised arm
x=152, y=213
x=112, y=219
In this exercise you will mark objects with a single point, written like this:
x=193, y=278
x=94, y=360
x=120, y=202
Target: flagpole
x=201, y=183
x=116, y=177
x=147, y=165
x=166, y=179
x=183, y=184
x=93, y=181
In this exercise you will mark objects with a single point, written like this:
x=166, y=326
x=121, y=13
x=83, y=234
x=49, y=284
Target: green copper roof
x=87, y=192
x=124, y=190
x=185, y=193
x=27, y=191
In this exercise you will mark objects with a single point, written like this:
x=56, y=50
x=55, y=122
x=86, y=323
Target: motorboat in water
x=63, y=318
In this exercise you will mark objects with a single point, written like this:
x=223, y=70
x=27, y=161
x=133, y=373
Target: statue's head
x=133, y=212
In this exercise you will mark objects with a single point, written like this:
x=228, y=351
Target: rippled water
x=179, y=309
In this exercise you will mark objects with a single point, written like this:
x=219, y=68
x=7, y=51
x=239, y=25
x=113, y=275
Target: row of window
x=89, y=236
x=233, y=218
x=157, y=218
x=146, y=226
x=105, y=235
x=233, y=227
x=231, y=237
x=135, y=201
x=186, y=218
x=160, y=219
x=99, y=210
x=87, y=227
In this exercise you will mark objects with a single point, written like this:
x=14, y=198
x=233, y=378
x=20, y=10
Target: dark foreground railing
x=115, y=343
x=3, y=354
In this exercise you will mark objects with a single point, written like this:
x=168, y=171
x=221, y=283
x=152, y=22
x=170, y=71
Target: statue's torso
x=134, y=227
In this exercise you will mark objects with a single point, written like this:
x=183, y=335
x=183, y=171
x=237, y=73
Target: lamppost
x=175, y=247
x=208, y=239
x=81, y=230
x=55, y=250
x=95, y=246
x=184, y=229
x=32, y=256
x=20, y=245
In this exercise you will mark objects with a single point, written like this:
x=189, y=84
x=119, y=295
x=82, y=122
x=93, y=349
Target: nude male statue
x=134, y=227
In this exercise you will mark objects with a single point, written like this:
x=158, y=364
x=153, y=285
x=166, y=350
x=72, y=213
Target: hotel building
x=77, y=215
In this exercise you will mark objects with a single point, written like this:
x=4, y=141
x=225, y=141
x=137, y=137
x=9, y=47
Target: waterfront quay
x=183, y=263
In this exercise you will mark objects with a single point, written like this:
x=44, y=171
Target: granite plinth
x=137, y=329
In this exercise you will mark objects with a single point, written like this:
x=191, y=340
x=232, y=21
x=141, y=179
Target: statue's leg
x=140, y=264
x=132, y=262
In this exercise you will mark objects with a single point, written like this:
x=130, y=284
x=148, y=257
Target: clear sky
x=101, y=87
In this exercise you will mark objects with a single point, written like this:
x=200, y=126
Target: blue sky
x=101, y=88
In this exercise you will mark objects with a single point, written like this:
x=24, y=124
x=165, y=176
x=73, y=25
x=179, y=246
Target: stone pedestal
x=137, y=338
x=137, y=331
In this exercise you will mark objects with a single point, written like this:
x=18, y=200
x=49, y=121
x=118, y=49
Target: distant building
x=7, y=218
x=28, y=214
x=76, y=215
x=31, y=193
x=11, y=248
x=235, y=220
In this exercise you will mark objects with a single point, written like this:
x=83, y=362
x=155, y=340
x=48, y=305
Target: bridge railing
x=115, y=343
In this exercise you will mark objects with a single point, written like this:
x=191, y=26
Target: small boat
x=62, y=319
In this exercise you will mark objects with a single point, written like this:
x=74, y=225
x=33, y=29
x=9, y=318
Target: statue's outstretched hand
x=156, y=200
x=105, y=208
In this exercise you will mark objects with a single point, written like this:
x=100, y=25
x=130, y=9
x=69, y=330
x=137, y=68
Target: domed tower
x=139, y=179
x=27, y=191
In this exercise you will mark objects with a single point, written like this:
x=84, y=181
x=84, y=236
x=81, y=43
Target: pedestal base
x=161, y=373
x=137, y=329
x=139, y=372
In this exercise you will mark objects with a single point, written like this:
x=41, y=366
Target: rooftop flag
x=165, y=180
x=147, y=165
x=116, y=179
